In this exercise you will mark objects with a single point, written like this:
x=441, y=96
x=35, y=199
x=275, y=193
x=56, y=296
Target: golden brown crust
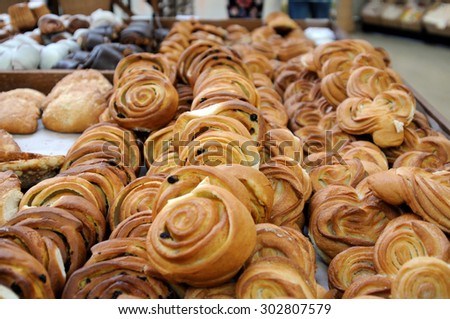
x=206, y=247
x=225, y=291
x=349, y=265
x=405, y=239
x=422, y=278
x=18, y=116
x=375, y=285
x=22, y=273
x=31, y=168
x=10, y=195
x=424, y=192
x=275, y=278
x=7, y=142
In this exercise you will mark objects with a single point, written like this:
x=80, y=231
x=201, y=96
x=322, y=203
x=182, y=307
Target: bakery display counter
x=237, y=162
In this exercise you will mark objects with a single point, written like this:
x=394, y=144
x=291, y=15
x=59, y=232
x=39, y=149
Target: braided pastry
x=138, y=196
x=384, y=117
x=275, y=277
x=427, y=194
x=369, y=286
x=118, y=267
x=422, y=278
x=342, y=216
x=206, y=247
x=144, y=61
x=225, y=291
x=292, y=187
x=350, y=265
x=350, y=173
x=406, y=238
x=143, y=101
x=310, y=113
x=22, y=275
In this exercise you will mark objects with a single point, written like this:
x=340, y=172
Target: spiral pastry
x=281, y=142
x=258, y=63
x=265, y=48
x=427, y=194
x=342, y=216
x=41, y=248
x=22, y=275
x=136, y=225
x=242, y=111
x=218, y=83
x=206, y=247
x=369, y=286
x=101, y=175
x=262, y=33
x=173, y=46
x=94, y=223
x=185, y=98
x=118, y=267
x=138, y=196
x=273, y=111
x=60, y=226
x=49, y=190
x=189, y=55
x=368, y=82
x=273, y=278
x=144, y=101
x=258, y=187
x=209, y=28
x=190, y=126
x=185, y=179
x=384, y=117
x=158, y=143
x=144, y=61
x=284, y=242
x=292, y=187
x=215, y=148
x=422, y=278
x=291, y=48
x=10, y=195
x=405, y=239
x=165, y=164
x=350, y=265
x=225, y=291
x=105, y=141
x=351, y=173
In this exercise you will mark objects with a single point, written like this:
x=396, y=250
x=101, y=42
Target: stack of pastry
x=244, y=145
x=409, y=260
